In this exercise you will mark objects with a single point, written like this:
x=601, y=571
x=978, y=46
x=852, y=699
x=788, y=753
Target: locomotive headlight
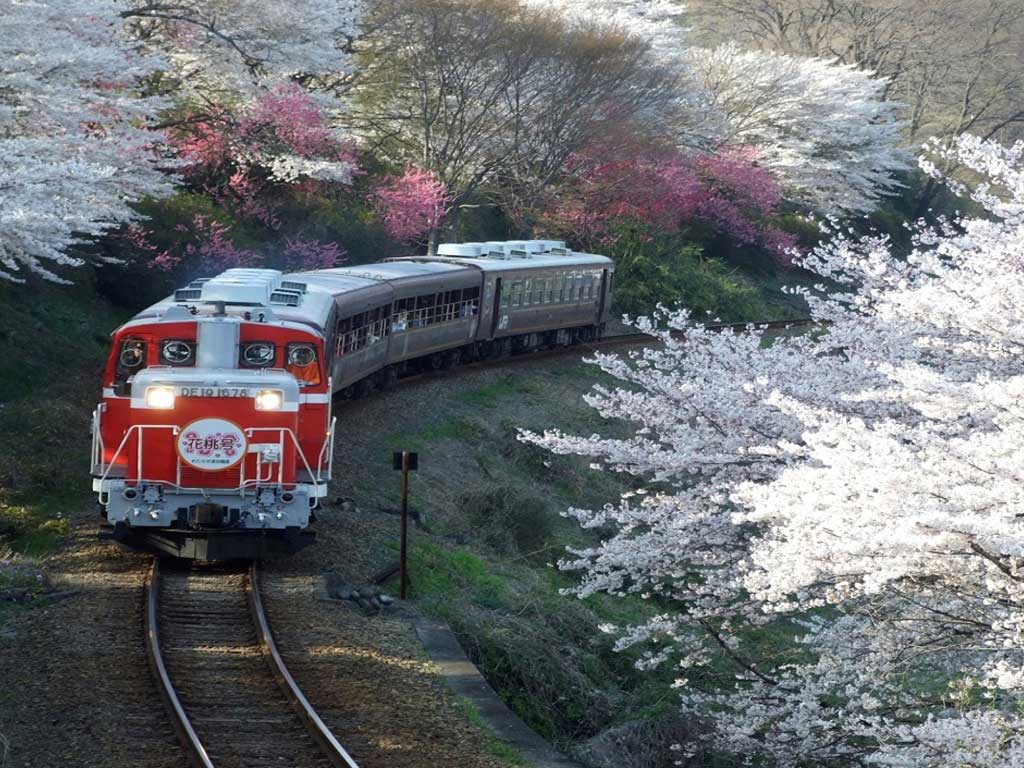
x=269, y=400
x=160, y=397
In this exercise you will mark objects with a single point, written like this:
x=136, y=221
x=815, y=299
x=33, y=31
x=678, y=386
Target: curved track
x=611, y=340
x=232, y=700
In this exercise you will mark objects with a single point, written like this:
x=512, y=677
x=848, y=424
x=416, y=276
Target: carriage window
x=470, y=306
x=401, y=316
x=577, y=284
x=423, y=315
x=550, y=285
x=517, y=294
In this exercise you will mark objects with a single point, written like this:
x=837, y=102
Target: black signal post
x=406, y=462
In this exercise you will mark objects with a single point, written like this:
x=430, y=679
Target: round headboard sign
x=211, y=444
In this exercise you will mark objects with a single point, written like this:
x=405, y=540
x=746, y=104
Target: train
x=214, y=437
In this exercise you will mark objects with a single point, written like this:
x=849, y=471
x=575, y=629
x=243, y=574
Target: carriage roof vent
x=188, y=294
x=293, y=285
x=460, y=250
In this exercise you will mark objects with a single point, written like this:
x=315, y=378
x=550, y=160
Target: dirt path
x=74, y=686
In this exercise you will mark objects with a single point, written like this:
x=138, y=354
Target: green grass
x=53, y=342
x=442, y=576
x=459, y=428
x=489, y=394
x=494, y=745
x=34, y=529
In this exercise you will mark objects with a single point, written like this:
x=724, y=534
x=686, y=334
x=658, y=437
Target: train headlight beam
x=160, y=397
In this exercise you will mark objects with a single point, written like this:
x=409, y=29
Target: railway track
x=231, y=699
x=608, y=341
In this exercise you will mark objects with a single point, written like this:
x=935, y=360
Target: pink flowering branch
x=413, y=204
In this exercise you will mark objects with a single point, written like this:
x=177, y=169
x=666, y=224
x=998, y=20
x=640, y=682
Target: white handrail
x=138, y=429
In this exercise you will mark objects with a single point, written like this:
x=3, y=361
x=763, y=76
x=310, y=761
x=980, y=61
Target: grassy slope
x=493, y=527
x=53, y=342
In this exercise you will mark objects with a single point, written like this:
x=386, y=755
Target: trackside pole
x=406, y=462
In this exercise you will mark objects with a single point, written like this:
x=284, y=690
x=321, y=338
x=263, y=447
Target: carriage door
x=604, y=296
x=496, y=307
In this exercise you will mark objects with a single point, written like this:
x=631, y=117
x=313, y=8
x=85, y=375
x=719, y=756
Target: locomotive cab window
x=178, y=352
x=257, y=354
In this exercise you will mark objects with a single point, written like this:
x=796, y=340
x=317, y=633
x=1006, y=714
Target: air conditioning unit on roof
x=460, y=250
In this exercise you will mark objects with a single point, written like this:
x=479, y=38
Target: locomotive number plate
x=214, y=392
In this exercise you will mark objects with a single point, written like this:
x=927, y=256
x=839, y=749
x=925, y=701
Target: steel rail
x=317, y=728
x=194, y=748
x=196, y=753
x=515, y=358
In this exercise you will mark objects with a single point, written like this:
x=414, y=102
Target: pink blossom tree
x=665, y=189
x=248, y=160
x=412, y=205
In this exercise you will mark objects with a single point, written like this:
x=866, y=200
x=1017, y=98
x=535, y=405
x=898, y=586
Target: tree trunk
x=433, y=238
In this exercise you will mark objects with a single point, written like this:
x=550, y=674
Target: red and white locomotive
x=215, y=436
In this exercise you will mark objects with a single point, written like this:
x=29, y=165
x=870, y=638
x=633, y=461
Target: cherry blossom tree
x=855, y=490
x=825, y=129
x=660, y=23
x=667, y=189
x=75, y=152
x=413, y=204
x=282, y=138
x=225, y=50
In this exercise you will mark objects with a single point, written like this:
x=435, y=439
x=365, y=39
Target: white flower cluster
x=826, y=129
x=77, y=148
x=856, y=492
x=74, y=149
x=236, y=48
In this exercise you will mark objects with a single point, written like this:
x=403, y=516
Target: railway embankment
x=488, y=530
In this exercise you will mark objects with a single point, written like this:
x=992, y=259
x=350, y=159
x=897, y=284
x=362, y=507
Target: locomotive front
x=214, y=437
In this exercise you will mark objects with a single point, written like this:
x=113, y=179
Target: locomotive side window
x=301, y=362
x=131, y=357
